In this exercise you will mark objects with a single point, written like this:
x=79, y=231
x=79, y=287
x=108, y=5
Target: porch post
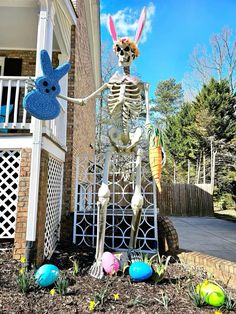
x=44, y=41
x=64, y=91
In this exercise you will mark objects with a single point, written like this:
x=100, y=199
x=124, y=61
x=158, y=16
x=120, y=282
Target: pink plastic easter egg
x=110, y=263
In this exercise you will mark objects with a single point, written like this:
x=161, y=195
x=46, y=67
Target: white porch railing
x=14, y=117
x=12, y=113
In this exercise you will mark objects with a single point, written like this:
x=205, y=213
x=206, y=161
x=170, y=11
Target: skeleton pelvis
x=124, y=141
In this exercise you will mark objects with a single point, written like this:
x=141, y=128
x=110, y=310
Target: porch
x=15, y=121
x=32, y=152
x=32, y=26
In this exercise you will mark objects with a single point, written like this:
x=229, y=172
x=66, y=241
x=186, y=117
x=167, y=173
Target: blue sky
x=173, y=29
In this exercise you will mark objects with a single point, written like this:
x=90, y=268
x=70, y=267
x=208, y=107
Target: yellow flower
x=23, y=259
x=92, y=305
x=217, y=312
x=52, y=291
x=116, y=296
x=22, y=270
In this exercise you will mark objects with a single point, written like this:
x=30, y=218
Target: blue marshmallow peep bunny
x=41, y=102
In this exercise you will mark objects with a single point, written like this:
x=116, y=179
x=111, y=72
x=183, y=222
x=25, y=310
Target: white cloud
x=148, y=25
x=126, y=21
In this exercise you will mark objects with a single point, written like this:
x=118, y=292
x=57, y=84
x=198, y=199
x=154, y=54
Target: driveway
x=208, y=235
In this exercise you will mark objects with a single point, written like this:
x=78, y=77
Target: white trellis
x=54, y=203
x=9, y=177
x=119, y=213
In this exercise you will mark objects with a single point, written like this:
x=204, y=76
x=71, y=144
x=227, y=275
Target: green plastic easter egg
x=212, y=293
x=216, y=299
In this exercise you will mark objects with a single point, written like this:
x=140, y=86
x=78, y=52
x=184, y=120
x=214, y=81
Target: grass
x=226, y=213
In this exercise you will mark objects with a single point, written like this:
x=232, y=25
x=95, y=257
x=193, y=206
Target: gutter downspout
x=44, y=41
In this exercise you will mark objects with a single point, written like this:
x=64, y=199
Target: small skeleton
x=124, y=104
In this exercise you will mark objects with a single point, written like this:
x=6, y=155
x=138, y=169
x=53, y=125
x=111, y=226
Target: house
x=38, y=158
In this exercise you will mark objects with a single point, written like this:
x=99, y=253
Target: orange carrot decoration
x=156, y=153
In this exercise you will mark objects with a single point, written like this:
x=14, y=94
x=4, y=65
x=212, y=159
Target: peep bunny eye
x=53, y=88
x=118, y=48
x=45, y=83
x=127, y=48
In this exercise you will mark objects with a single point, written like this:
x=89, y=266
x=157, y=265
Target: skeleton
x=124, y=104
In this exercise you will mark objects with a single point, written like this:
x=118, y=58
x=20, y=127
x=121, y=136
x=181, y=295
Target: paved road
x=209, y=235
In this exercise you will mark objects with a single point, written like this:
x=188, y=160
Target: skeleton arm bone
x=83, y=101
x=146, y=91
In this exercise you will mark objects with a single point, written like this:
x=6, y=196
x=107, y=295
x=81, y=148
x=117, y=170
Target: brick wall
x=22, y=204
x=42, y=206
x=81, y=120
x=217, y=268
x=28, y=59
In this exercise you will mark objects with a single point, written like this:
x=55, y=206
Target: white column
x=62, y=119
x=44, y=41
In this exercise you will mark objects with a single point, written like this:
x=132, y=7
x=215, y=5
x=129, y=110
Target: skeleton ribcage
x=124, y=102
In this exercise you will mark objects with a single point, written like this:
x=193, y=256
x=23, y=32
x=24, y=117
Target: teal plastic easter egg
x=46, y=275
x=140, y=271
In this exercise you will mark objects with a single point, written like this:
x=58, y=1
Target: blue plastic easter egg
x=140, y=271
x=46, y=275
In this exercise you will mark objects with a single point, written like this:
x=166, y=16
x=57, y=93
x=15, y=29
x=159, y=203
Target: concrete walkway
x=208, y=235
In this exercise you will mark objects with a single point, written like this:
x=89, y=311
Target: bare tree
x=220, y=62
x=109, y=62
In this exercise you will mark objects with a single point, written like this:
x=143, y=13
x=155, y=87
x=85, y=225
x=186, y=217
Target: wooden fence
x=185, y=200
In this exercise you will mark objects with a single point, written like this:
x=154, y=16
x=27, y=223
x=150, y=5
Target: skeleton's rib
x=135, y=90
x=132, y=92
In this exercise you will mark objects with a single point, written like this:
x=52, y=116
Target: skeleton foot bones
x=96, y=270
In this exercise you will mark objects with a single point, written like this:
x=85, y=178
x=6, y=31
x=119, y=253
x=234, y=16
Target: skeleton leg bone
x=103, y=200
x=136, y=204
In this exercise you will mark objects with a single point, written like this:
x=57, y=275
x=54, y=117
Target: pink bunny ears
x=141, y=22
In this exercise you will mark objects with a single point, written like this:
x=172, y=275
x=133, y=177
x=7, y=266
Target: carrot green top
x=155, y=137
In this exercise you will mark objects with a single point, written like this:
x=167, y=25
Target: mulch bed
x=133, y=297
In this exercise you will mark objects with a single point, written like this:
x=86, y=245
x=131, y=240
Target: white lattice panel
x=53, y=211
x=9, y=177
x=119, y=214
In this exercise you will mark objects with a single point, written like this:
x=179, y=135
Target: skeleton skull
x=125, y=52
